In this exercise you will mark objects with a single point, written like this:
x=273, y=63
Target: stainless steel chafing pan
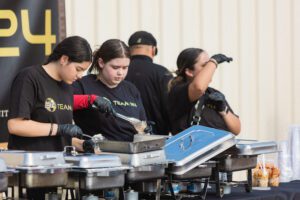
x=37, y=169
x=30, y=158
x=253, y=147
x=97, y=178
x=131, y=147
x=144, y=173
x=93, y=172
x=237, y=163
x=202, y=171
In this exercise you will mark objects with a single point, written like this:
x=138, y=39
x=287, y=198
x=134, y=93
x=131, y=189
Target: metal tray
x=58, y=177
x=253, y=147
x=202, y=171
x=237, y=163
x=131, y=147
x=95, y=179
x=145, y=173
x=195, y=146
x=93, y=161
x=144, y=158
x=27, y=158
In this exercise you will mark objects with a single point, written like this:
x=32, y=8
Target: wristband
x=225, y=112
x=51, y=129
x=214, y=61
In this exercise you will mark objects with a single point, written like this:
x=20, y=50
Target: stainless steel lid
x=15, y=159
x=254, y=147
x=3, y=167
x=195, y=146
x=93, y=160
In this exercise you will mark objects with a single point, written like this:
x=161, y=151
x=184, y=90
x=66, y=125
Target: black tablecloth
x=285, y=191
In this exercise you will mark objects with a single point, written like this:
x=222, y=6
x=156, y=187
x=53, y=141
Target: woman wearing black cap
x=191, y=101
x=110, y=65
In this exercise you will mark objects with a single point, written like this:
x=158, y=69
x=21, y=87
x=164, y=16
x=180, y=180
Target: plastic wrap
x=294, y=142
x=285, y=161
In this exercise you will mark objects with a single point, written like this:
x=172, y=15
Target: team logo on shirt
x=50, y=105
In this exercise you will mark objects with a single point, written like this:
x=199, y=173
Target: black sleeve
x=179, y=102
x=77, y=88
x=22, y=97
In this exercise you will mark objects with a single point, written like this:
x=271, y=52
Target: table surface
x=285, y=191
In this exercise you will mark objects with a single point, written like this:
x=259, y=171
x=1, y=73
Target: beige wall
x=262, y=84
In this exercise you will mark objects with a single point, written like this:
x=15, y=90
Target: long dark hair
x=75, y=47
x=110, y=49
x=185, y=60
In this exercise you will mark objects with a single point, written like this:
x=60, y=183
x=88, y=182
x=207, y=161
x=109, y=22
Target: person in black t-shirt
x=151, y=80
x=191, y=101
x=41, y=102
x=110, y=63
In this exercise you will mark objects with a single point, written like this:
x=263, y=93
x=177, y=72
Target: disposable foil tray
x=194, y=146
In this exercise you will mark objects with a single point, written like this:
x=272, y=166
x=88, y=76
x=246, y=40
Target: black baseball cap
x=142, y=37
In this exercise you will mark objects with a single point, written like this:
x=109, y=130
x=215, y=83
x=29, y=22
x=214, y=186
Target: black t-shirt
x=126, y=100
x=182, y=110
x=152, y=80
x=38, y=97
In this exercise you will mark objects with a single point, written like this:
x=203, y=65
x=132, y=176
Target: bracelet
x=51, y=129
x=214, y=61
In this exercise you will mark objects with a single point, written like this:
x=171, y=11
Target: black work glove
x=69, y=130
x=88, y=146
x=104, y=105
x=220, y=58
x=216, y=101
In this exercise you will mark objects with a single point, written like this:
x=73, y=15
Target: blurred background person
x=151, y=80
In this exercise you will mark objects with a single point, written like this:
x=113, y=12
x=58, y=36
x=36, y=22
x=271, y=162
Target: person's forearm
x=201, y=81
x=233, y=123
x=30, y=128
x=77, y=143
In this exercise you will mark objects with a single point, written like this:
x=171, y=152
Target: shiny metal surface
x=145, y=173
x=144, y=158
x=131, y=147
x=202, y=171
x=98, y=178
x=254, y=147
x=236, y=163
x=43, y=180
x=93, y=160
x=26, y=158
x=195, y=146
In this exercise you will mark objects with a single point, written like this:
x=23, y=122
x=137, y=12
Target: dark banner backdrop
x=28, y=32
